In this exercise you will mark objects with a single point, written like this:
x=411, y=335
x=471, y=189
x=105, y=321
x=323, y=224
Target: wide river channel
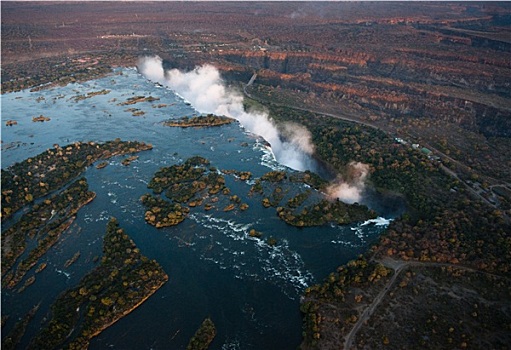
x=249, y=289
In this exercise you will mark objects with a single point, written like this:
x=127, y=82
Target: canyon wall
x=411, y=83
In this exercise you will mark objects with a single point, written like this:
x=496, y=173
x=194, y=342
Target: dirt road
x=398, y=266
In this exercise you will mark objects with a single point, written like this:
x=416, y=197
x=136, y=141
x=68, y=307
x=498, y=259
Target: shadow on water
x=323, y=169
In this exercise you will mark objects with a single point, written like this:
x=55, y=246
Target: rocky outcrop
x=410, y=83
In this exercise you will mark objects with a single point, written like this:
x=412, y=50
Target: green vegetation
x=203, y=337
x=138, y=99
x=43, y=225
x=254, y=233
x=199, y=121
x=299, y=199
x=305, y=208
x=272, y=241
x=10, y=341
x=188, y=185
x=326, y=211
x=345, y=291
x=166, y=178
x=124, y=280
x=242, y=175
x=274, y=176
x=191, y=184
x=35, y=177
x=440, y=225
x=183, y=182
x=162, y=213
x=444, y=224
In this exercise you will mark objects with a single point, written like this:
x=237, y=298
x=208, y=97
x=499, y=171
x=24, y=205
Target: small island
x=72, y=260
x=324, y=212
x=203, y=337
x=189, y=185
x=41, y=119
x=101, y=165
x=209, y=120
x=122, y=282
x=90, y=95
x=128, y=160
x=136, y=112
x=138, y=99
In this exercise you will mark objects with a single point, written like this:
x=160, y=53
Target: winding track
x=397, y=265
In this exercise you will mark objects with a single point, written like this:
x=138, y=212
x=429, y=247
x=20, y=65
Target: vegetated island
x=41, y=226
x=41, y=119
x=11, y=340
x=302, y=210
x=193, y=184
x=209, y=120
x=123, y=281
x=90, y=95
x=187, y=185
x=35, y=177
x=203, y=337
x=137, y=99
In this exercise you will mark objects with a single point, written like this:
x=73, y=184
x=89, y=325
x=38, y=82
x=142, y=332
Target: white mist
x=204, y=88
x=291, y=143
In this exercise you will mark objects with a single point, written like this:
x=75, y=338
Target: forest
x=444, y=223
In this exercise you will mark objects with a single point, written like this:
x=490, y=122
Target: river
x=249, y=289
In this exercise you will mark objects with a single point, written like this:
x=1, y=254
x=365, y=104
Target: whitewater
x=250, y=289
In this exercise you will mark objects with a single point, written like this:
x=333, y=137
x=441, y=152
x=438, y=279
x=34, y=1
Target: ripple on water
x=267, y=157
x=224, y=242
x=249, y=257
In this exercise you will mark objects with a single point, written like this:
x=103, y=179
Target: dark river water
x=250, y=290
